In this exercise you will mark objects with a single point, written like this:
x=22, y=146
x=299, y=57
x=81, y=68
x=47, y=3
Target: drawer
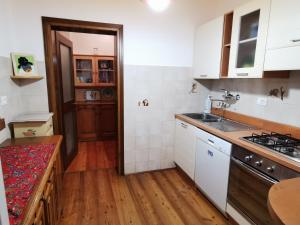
x=33, y=129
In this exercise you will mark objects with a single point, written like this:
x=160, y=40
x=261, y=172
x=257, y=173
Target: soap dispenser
x=207, y=106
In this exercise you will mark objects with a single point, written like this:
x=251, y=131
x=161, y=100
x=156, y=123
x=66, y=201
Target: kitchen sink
x=219, y=123
x=204, y=117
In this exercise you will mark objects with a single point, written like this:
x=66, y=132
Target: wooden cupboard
x=107, y=118
x=208, y=46
x=96, y=121
x=86, y=122
x=185, y=147
x=283, y=44
x=94, y=71
x=249, y=37
x=45, y=205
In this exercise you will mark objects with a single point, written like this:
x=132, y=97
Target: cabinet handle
x=242, y=74
x=184, y=125
x=295, y=40
x=211, y=142
x=203, y=75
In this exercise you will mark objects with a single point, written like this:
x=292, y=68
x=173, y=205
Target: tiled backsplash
x=149, y=131
x=286, y=111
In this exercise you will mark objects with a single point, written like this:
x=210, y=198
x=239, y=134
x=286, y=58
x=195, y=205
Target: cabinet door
x=283, y=45
x=86, y=122
x=58, y=184
x=208, y=46
x=249, y=36
x=84, y=70
x=105, y=70
x=40, y=216
x=107, y=125
x=50, y=204
x=185, y=147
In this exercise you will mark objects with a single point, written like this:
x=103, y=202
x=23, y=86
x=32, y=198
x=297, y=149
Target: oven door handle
x=254, y=171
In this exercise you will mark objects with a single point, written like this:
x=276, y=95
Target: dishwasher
x=212, y=168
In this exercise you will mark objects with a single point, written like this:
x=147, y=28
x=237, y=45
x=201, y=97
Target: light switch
x=262, y=101
x=3, y=100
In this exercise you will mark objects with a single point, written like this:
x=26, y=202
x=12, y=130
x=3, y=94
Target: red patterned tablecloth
x=22, y=167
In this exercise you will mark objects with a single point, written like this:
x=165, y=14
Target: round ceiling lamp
x=158, y=5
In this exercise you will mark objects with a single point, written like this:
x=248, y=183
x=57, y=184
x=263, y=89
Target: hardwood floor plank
x=142, y=201
x=210, y=214
x=127, y=212
x=188, y=213
x=107, y=210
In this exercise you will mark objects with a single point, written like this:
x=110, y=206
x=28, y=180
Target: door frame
x=57, y=24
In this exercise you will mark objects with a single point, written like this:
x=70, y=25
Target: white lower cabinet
x=185, y=147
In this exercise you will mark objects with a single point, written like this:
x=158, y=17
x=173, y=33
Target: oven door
x=248, y=192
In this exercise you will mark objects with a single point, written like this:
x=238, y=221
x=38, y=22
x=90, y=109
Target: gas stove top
x=283, y=144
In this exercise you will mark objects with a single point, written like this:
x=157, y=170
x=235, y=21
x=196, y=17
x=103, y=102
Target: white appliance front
x=212, y=171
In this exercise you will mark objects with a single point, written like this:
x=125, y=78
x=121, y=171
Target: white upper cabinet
x=283, y=45
x=208, y=46
x=249, y=37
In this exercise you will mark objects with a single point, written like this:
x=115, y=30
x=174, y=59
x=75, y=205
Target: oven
x=250, y=178
x=248, y=192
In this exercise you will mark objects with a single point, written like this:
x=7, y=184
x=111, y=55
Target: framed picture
x=24, y=64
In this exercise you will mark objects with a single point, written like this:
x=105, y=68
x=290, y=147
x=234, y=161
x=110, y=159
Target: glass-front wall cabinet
x=249, y=36
x=84, y=70
x=105, y=67
x=248, y=40
x=94, y=71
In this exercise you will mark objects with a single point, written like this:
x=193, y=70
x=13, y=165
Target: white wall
x=149, y=38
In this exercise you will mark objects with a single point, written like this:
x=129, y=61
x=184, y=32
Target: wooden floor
x=96, y=197
x=94, y=156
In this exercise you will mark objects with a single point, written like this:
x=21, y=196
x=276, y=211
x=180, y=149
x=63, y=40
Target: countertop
x=284, y=202
x=235, y=138
x=25, y=161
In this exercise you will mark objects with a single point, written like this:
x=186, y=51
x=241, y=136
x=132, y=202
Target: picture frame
x=24, y=65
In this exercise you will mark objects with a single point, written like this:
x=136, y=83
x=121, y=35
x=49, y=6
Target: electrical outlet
x=3, y=100
x=262, y=101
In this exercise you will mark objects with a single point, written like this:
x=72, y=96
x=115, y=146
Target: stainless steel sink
x=218, y=122
x=204, y=117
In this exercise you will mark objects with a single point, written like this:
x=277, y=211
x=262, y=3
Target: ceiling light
x=158, y=5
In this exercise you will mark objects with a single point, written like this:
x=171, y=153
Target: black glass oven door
x=248, y=192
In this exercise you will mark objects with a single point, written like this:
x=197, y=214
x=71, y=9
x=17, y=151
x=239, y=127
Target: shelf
x=95, y=85
x=26, y=77
x=88, y=70
x=248, y=40
x=105, y=70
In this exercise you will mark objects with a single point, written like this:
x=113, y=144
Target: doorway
x=96, y=75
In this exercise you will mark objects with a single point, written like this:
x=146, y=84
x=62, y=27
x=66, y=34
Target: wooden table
x=284, y=202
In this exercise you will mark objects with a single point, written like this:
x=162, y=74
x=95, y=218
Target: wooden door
x=66, y=98
x=107, y=126
x=87, y=122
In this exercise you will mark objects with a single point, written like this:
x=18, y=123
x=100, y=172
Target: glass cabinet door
x=247, y=40
x=84, y=71
x=106, y=72
x=249, y=37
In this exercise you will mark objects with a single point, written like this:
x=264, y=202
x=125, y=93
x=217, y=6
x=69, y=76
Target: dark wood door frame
x=57, y=24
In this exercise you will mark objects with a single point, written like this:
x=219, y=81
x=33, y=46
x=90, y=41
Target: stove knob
x=270, y=169
x=248, y=158
x=258, y=163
